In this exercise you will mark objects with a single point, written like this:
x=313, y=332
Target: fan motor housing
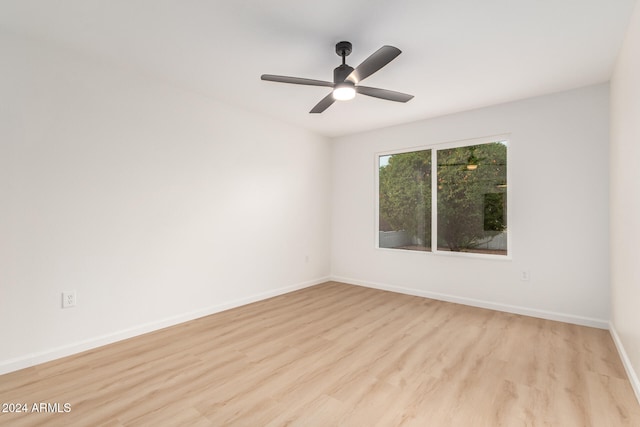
x=341, y=73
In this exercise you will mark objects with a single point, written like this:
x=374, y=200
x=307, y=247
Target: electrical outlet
x=68, y=299
x=525, y=276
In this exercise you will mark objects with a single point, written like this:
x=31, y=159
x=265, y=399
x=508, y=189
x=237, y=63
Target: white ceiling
x=457, y=54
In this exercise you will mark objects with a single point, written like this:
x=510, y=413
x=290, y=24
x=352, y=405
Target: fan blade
x=383, y=94
x=376, y=61
x=323, y=104
x=295, y=80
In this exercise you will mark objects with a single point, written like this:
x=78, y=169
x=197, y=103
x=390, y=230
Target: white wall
x=625, y=200
x=156, y=205
x=558, y=219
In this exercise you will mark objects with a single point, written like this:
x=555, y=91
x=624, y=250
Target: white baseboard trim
x=631, y=373
x=526, y=311
x=33, y=359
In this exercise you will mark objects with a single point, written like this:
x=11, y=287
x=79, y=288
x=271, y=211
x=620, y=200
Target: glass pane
x=472, y=199
x=405, y=201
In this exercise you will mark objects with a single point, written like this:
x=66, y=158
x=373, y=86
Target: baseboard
x=631, y=373
x=33, y=359
x=526, y=311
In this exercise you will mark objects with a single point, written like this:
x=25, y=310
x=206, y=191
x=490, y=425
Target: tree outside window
x=470, y=195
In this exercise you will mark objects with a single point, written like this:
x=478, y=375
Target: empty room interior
x=314, y=214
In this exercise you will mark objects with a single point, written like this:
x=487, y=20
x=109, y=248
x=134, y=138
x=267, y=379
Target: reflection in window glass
x=405, y=201
x=471, y=199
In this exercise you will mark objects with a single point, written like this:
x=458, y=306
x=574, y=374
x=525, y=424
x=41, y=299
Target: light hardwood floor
x=339, y=355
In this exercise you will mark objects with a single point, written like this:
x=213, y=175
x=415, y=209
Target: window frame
x=435, y=147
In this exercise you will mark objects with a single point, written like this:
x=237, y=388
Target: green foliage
x=405, y=194
x=494, y=219
x=471, y=203
x=462, y=194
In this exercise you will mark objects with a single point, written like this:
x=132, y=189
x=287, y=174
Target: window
x=405, y=200
x=447, y=199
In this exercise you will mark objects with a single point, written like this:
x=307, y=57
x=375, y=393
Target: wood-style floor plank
x=339, y=355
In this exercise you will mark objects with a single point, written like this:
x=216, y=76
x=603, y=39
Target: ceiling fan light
x=344, y=91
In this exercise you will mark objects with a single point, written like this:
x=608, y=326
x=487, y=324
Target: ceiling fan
x=346, y=79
